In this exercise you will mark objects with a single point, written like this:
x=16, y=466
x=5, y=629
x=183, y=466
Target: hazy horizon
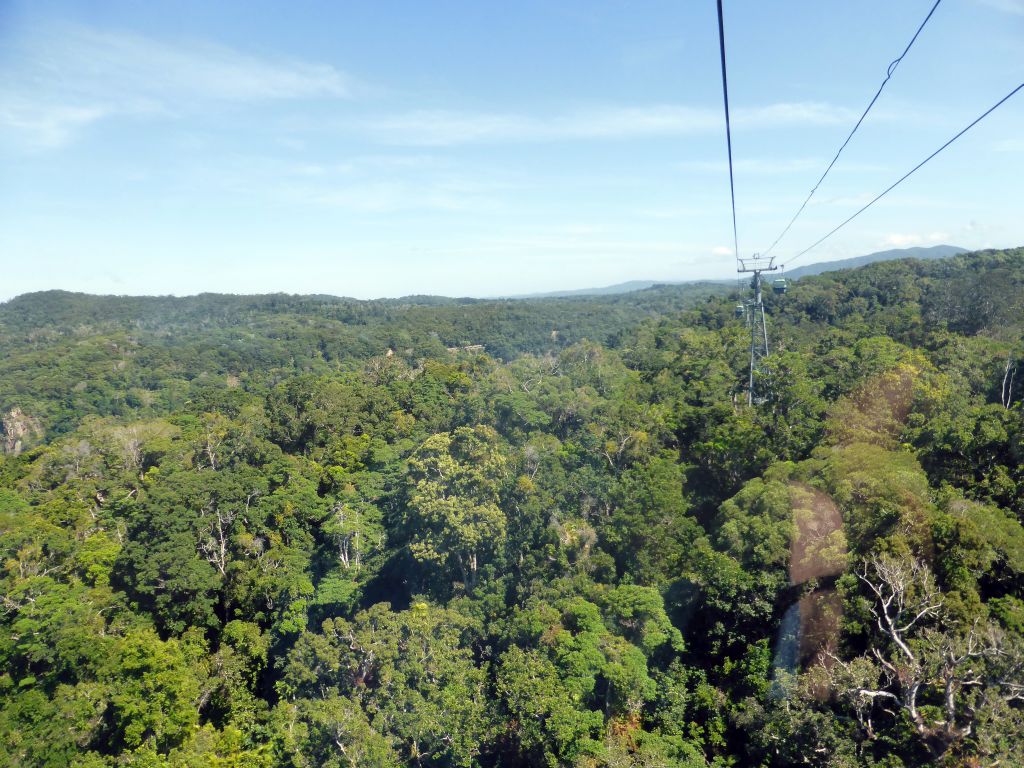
x=563, y=292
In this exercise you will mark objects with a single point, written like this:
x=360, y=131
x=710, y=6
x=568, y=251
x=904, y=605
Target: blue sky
x=480, y=148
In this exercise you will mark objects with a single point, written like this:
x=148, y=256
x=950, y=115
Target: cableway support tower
x=754, y=312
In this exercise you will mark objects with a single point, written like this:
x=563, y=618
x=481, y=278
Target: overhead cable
x=889, y=73
x=728, y=128
x=909, y=173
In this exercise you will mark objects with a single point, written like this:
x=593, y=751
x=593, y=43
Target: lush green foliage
x=287, y=531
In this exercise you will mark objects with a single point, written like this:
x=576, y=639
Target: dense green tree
x=453, y=512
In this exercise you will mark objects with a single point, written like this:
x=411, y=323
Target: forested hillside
x=284, y=531
x=64, y=355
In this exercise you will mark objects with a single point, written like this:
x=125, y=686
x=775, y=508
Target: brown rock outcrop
x=17, y=427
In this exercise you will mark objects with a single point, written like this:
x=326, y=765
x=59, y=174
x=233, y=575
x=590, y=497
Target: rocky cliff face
x=17, y=428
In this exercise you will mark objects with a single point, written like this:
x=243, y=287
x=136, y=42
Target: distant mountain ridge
x=931, y=252
x=608, y=290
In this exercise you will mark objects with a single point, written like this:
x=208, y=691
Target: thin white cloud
x=841, y=200
x=1009, y=145
x=443, y=127
x=61, y=79
x=46, y=125
x=675, y=212
x=448, y=127
x=152, y=70
x=773, y=166
x=568, y=241
x=753, y=165
x=364, y=184
x=383, y=197
x=1016, y=7
x=899, y=240
x=896, y=200
x=794, y=113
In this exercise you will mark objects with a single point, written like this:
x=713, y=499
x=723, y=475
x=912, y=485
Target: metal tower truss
x=758, y=326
